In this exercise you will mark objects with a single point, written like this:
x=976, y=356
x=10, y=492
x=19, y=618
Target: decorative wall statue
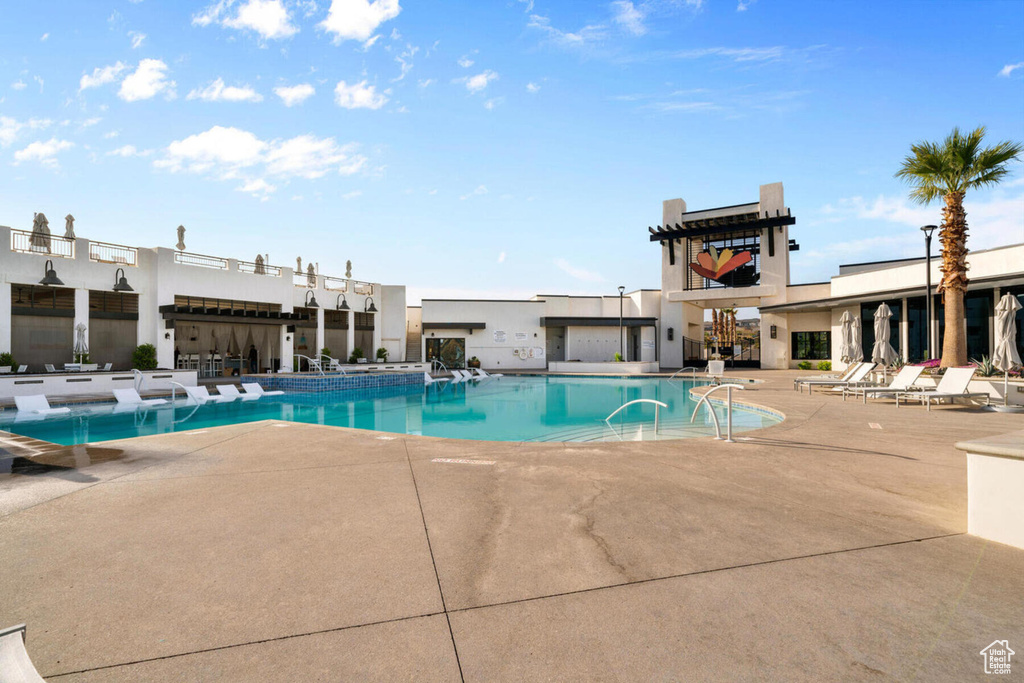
x=310, y=275
x=69, y=227
x=348, y=269
x=298, y=264
x=181, y=238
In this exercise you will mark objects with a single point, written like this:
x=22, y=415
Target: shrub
x=985, y=366
x=618, y=357
x=825, y=365
x=804, y=365
x=325, y=352
x=382, y=354
x=7, y=359
x=357, y=353
x=144, y=357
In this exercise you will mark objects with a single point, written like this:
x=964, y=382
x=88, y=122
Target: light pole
x=621, y=342
x=928, y=230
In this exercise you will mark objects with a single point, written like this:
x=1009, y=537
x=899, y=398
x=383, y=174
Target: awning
x=595, y=321
x=454, y=326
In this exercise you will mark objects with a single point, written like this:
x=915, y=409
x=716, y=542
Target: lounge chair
x=232, y=391
x=466, y=375
x=38, y=405
x=901, y=383
x=953, y=385
x=845, y=377
x=857, y=378
x=107, y=366
x=484, y=374
x=15, y=664
x=131, y=397
x=427, y=379
x=49, y=367
x=22, y=368
x=257, y=390
x=200, y=394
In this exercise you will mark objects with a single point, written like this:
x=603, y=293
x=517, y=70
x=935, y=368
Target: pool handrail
x=438, y=361
x=683, y=370
x=313, y=363
x=714, y=417
x=333, y=363
x=658, y=405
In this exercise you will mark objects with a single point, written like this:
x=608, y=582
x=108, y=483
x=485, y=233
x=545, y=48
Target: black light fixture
x=51, y=275
x=369, y=307
x=121, y=284
x=671, y=333
x=774, y=332
x=342, y=303
x=928, y=303
x=311, y=299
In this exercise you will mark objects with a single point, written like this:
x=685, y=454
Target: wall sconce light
x=671, y=332
x=121, y=284
x=311, y=299
x=167, y=335
x=288, y=337
x=50, y=275
x=471, y=330
x=774, y=332
x=342, y=303
x=369, y=307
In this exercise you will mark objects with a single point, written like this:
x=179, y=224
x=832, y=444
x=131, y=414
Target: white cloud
x=43, y=152
x=481, y=189
x=43, y=37
x=478, y=82
x=629, y=17
x=294, y=94
x=578, y=273
x=129, y=151
x=426, y=82
x=218, y=92
x=111, y=135
x=19, y=85
x=493, y=102
x=357, y=19
x=232, y=153
x=137, y=39
x=744, y=4
x=88, y=123
x=465, y=62
x=38, y=80
x=147, y=81
x=1010, y=68
x=10, y=127
x=532, y=87
x=352, y=195
x=358, y=96
x=270, y=19
x=405, y=61
x=501, y=257
x=585, y=36
x=259, y=188
x=101, y=76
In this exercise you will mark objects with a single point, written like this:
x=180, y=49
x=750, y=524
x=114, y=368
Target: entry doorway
x=555, y=344
x=451, y=352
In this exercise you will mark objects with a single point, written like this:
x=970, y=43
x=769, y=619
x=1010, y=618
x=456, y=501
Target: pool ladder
x=682, y=370
x=728, y=410
x=658, y=405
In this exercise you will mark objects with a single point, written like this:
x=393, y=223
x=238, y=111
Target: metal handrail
x=312, y=362
x=437, y=361
x=728, y=410
x=333, y=362
x=694, y=370
x=140, y=379
x=658, y=405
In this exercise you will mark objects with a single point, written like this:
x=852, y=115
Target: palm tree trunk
x=953, y=236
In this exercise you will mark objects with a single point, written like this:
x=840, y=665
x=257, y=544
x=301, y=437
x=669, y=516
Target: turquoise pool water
x=543, y=408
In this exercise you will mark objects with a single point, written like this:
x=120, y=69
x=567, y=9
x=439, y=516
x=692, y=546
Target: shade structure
x=882, y=352
x=1006, y=357
x=845, y=349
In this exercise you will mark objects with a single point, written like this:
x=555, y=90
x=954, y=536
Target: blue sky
x=495, y=149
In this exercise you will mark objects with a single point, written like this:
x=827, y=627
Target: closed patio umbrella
x=1006, y=357
x=81, y=348
x=882, y=352
x=845, y=349
x=856, y=341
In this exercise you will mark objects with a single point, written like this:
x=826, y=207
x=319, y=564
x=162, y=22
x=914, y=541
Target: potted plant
x=825, y=366
x=7, y=360
x=382, y=355
x=144, y=357
x=357, y=356
x=473, y=362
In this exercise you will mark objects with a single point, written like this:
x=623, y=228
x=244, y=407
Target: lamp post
x=622, y=354
x=928, y=230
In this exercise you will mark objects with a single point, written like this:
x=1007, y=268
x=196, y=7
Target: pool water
x=540, y=408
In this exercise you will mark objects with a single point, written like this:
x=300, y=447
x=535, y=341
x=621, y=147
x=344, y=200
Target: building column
x=82, y=315
x=5, y=318
x=320, y=341
x=904, y=331
x=350, y=333
x=287, y=346
x=377, y=335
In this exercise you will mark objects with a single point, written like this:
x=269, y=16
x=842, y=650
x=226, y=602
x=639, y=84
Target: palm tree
x=948, y=170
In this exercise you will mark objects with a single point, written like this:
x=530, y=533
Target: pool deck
x=832, y=546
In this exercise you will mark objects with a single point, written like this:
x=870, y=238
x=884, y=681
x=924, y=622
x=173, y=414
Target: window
x=812, y=345
x=451, y=352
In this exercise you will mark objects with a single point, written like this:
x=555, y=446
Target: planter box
x=995, y=479
x=613, y=368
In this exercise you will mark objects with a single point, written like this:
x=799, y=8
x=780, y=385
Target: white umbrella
x=856, y=342
x=882, y=352
x=1006, y=357
x=81, y=348
x=845, y=349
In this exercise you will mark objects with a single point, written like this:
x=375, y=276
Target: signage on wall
x=500, y=337
x=713, y=264
x=521, y=336
x=647, y=343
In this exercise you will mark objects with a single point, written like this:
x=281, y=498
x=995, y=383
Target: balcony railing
x=363, y=288
x=259, y=268
x=22, y=241
x=102, y=252
x=189, y=259
x=335, y=284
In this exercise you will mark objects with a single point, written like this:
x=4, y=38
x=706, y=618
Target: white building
x=207, y=311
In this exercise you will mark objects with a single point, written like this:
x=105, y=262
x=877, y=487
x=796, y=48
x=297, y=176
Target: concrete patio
x=832, y=546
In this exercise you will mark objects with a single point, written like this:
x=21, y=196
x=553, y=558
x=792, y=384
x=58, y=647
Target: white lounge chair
x=716, y=368
x=200, y=394
x=953, y=385
x=484, y=374
x=466, y=375
x=22, y=368
x=131, y=397
x=257, y=390
x=107, y=366
x=427, y=379
x=15, y=664
x=232, y=391
x=856, y=379
x=902, y=382
x=818, y=378
x=49, y=367
x=38, y=405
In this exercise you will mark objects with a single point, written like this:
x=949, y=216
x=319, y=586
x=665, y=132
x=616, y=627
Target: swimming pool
x=513, y=408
